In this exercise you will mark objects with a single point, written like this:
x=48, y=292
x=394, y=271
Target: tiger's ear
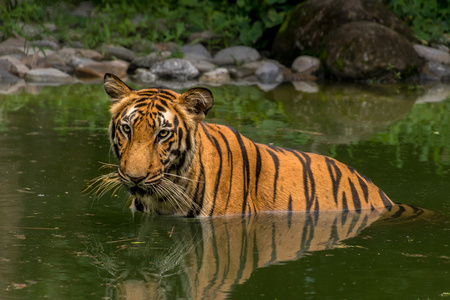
x=197, y=101
x=115, y=87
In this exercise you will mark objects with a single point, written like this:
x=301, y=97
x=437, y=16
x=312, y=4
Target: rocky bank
x=354, y=40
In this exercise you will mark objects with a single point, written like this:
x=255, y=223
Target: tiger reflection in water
x=204, y=258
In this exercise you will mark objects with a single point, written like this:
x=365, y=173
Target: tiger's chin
x=163, y=199
x=154, y=206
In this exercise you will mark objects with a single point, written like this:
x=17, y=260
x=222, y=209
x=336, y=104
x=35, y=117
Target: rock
x=432, y=54
x=13, y=65
x=203, y=36
x=367, y=50
x=34, y=61
x=175, y=68
x=6, y=77
x=202, y=65
x=144, y=75
x=306, y=65
x=117, y=52
x=434, y=93
x=306, y=86
x=10, y=87
x=65, y=68
x=144, y=62
x=218, y=76
x=435, y=71
x=310, y=22
x=48, y=75
x=98, y=69
x=269, y=73
x=198, y=50
x=241, y=72
x=246, y=70
x=17, y=42
x=88, y=53
x=236, y=55
x=68, y=53
x=75, y=61
x=11, y=51
x=45, y=44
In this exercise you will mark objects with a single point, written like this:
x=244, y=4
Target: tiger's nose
x=136, y=179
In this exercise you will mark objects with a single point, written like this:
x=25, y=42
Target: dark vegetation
x=222, y=23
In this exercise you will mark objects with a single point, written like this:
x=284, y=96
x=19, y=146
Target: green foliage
x=429, y=19
x=120, y=22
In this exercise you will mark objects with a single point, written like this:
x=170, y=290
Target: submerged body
x=173, y=163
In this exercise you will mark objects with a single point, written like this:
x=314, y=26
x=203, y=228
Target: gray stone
x=435, y=71
x=144, y=62
x=203, y=66
x=144, y=75
x=218, y=76
x=13, y=66
x=6, y=77
x=11, y=87
x=98, y=69
x=175, y=68
x=434, y=93
x=67, y=54
x=48, y=75
x=197, y=49
x=306, y=86
x=269, y=73
x=12, y=51
x=75, y=61
x=117, y=52
x=432, y=54
x=236, y=55
x=241, y=72
x=306, y=65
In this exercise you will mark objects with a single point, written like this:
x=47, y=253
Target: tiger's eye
x=126, y=128
x=163, y=133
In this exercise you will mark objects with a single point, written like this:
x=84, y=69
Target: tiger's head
x=152, y=132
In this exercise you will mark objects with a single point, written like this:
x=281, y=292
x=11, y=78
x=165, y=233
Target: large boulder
x=309, y=27
x=366, y=50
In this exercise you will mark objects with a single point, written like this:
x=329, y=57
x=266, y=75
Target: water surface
x=57, y=243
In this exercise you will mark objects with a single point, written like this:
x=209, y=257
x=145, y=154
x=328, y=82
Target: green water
x=57, y=243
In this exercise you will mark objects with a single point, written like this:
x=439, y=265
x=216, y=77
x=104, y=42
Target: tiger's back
x=173, y=163
x=247, y=177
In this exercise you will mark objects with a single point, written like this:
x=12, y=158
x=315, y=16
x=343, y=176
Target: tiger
x=173, y=163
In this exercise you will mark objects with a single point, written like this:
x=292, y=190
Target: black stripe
x=344, y=202
x=258, y=168
x=160, y=108
x=176, y=122
x=245, y=167
x=140, y=105
x=276, y=163
x=199, y=192
x=384, y=198
x=289, y=215
x=243, y=252
x=162, y=101
x=355, y=195
x=335, y=175
x=218, y=176
x=308, y=178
